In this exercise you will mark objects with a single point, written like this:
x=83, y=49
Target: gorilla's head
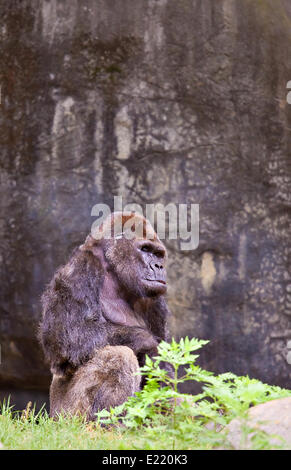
x=133, y=253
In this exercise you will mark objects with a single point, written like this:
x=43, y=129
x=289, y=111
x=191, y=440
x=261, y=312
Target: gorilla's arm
x=157, y=322
x=157, y=318
x=72, y=325
x=139, y=339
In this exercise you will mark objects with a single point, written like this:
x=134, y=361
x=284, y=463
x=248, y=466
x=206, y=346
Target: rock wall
x=157, y=101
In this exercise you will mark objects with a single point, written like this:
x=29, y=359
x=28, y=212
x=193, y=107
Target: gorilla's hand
x=144, y=342
x=139, y=339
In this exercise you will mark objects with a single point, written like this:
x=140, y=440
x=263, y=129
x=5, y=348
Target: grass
x=36, y=431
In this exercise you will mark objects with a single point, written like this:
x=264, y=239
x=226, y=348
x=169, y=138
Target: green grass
x=36, y=431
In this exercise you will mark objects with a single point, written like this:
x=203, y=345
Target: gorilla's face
x=151, y=258
x=139, y=266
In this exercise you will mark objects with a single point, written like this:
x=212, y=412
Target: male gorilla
x=102, y=313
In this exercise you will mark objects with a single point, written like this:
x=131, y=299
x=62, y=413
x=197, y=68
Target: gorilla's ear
x=96, y=247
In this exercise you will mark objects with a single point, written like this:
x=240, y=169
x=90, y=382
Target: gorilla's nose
x=158, y=271
x=156, y=266
x=159, y=266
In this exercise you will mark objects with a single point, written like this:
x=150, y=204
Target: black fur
x=75, y=328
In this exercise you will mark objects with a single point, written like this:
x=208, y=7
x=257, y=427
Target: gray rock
x=158, y=101
x=273, y=418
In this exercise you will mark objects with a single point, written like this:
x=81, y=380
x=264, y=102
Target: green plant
x=159, y=409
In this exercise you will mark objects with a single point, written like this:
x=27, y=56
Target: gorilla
x=103, y=312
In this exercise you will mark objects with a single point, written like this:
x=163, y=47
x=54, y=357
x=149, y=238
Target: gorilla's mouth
x=157, y=280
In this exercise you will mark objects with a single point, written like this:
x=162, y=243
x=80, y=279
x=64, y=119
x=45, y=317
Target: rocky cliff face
x=157, y=101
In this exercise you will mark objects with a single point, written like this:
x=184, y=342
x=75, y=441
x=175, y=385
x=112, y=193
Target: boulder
x=272, y=417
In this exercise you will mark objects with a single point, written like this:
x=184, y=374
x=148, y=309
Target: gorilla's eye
x=146, y=248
